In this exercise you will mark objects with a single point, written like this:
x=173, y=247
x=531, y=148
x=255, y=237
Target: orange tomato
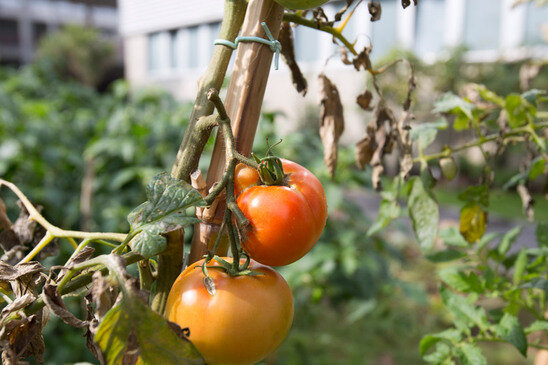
x=246, y=318
x=286, y=221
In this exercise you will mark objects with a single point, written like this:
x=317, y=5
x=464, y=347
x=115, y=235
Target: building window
x=174, y=54
x=9, y=32
x=38, y=31
x=482, y=24
x=154, y=51
x=191, y=47
x=384, y=31
x=429, y=27
x=536, y=17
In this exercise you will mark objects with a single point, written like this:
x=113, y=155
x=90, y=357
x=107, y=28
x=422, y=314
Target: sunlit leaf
x=424, y=213
x=157, y=342
x=508, y=239
x=471, y=355
x=167, y=208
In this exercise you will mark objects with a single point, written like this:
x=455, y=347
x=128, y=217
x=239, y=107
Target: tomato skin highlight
x=246, y=319
x=286, y=221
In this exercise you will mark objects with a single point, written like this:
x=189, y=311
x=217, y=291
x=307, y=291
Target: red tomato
x=286, y=221
x=246, y=318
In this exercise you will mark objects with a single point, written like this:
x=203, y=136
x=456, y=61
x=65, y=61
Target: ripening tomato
x=245, y=319
x=301, y=4
x=286, y=221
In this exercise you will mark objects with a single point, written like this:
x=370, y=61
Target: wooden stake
x=243, y=103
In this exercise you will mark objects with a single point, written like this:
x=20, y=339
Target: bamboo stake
x=243, y=103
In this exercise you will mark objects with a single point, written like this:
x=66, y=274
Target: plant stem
x=170, y=265
x=195, y=138
x=478, y=142
x=80, y=282
x=335, y=32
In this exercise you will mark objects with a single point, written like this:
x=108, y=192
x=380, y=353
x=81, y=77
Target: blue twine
x=275, y=46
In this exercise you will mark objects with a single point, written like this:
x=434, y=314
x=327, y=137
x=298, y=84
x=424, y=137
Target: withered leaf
x=363, y=60
x=339, y=14
x=527, y=201
x=374, y=8
x=54, y=302
x=103, y=295
x=364, y=100
x=21, y=338
x=473, y=222
x=331, y=121
x=364, y=152
x=10, y=273
x=288, y=55
x=344, y=56
x=18, y=303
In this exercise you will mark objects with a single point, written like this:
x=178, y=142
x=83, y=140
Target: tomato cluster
x=246, y=317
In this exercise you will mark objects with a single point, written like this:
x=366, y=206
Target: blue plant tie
x=275, y=46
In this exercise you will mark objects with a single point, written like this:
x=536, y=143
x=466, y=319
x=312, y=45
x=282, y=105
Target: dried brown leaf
x=21, y=338
x=11, y=273
x=331, y=121
x=103, y=295
x=54, y=302
x=364, y=152
x=363, y=60
x=288, y=55
x=344, y=56
x=18, y=303
x=339, y=14
x=375, y=9
x=364, y=100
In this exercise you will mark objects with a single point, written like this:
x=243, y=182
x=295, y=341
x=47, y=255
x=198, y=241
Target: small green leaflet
x=425, y=133
x=463, y=310
x=452, y=335
x=537, y=326
x=166, y=208
x=424, y=213
x=157, y=342
x=471, y=355
x=511, y=331
x=462, y=109
x=542, y=234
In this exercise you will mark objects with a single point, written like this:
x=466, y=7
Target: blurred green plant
x=78, y=53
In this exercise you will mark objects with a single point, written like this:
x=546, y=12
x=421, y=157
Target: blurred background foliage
x=358, y=300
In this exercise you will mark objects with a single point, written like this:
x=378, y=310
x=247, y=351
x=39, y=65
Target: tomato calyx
x=229, y=268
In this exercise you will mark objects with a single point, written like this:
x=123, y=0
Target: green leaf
x=538, y=283
x=538, y=325
x=452, y=335
x=451, y=103
x=473, y=222
x=425, y=133
x=532, y=95
x=463, y=310
x=490, y=96
x=462, y=122
x=478, y=194
x=441, y=356
x=471, y=355
x=424, y=213
x=487, y=238
x=157, y=342
x=510, y=330
x=515, y=180
x=113, y=333
x=388, y=211
x=451, y=237
x=507, y=240
x=167, y=208
x=520, y=265
x=537, y=168
x=542, y=234
x=518, y=110
x=445, y=255
x=460, y=280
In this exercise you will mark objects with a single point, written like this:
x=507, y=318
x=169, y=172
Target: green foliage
x=54, y=133
x=166, y=209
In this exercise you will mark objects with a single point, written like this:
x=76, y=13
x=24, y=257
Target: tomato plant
x=239, y=321
x=286, y=220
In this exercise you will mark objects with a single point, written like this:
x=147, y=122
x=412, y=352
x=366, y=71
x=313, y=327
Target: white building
x=24, y=22
x=168, y=43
